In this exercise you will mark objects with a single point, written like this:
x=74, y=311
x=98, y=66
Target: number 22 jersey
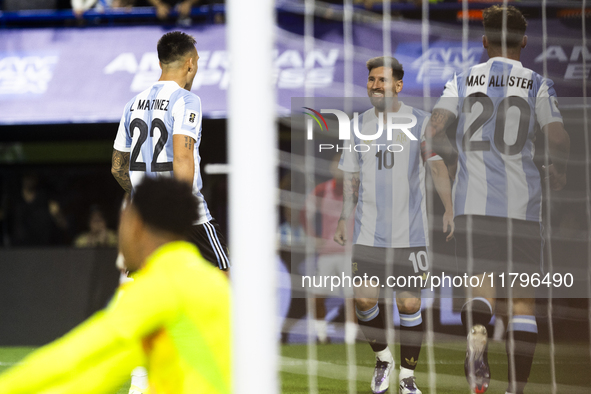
x=499, y=103
x=148, y=123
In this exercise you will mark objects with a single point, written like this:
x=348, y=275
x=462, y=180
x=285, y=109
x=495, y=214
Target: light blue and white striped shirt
x=499, y=103
x=391, y=210
x=148, y=123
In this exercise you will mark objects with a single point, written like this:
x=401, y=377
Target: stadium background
x=64, y=82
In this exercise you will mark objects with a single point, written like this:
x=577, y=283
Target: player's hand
x=162, y=10
x=557, y=180
x=184, y=8
x=448, y=225
x=340, y=235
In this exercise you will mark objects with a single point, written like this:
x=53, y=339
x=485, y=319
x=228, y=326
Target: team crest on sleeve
x=191, y=118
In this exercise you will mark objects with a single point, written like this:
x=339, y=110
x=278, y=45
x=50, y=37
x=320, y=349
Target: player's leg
x=370, y=261
x=411, y=339
x=321, y=324
x=343, y=270
x=139, y=375
x=410, y=263
x=139, y=381
x=522, y=333
x=522, y=329
x=478, y=309
x=322, y=269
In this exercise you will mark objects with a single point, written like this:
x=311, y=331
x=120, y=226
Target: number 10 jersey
x=499, y=103
x=148, y=123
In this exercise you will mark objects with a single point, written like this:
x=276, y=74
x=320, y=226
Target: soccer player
x=497, y=190
x=390, y=220
x=174, y=316
x=159, y=135
x=327, y=197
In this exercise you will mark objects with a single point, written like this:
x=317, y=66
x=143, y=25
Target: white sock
x=350, y=333
x=321, y=330
x=385, y=355
x=139, y=378
x=405, y=373
x=499, y=329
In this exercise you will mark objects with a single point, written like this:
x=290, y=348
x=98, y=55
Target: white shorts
x=333, y=265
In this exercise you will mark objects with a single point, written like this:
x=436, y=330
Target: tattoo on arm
x=120, y=169
x=441, y=119
x=189, y=143
x=351, y=184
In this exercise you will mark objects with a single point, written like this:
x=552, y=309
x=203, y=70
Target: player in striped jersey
x=497, y=185
x=391, y=229
x=159, y=136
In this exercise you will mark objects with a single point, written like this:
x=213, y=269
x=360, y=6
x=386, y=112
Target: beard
x=381, y=103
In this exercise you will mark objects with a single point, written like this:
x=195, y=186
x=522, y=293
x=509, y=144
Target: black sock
x=525, y=337
x=373, y=327
x=481, y=312
x=411, y=339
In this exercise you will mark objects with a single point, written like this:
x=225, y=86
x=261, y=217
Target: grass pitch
x=572, y=364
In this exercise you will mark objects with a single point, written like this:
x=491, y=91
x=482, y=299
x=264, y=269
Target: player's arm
x=53, y=367
x=442, y=184
x=183, y=161
x=120, y=169
x=558, y=150
x=350, y=197
x=436, y=137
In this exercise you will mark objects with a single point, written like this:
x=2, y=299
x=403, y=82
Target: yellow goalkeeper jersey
x=174, y=318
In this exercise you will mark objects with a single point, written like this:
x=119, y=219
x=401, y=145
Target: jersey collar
x=504, y=59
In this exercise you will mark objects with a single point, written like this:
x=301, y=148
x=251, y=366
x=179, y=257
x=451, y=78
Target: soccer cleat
x=136, y=390
x=381, y=376
x=476, y=364
x=409, y=386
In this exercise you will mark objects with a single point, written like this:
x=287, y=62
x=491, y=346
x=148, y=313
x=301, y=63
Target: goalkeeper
x=174, y=318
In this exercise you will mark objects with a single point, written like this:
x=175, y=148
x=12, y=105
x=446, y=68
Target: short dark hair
x=174, y=45
x=166, y=204
x=492, y=19
x=386, y=61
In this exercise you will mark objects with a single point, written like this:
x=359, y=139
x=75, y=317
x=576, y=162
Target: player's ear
x=190, y=64
x=398, y=85
x=485, y=42
x=524, y=42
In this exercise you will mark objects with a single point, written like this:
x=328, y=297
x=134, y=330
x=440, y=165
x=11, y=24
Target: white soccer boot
x=409, y=386
x=381, y=375
x=476, y=365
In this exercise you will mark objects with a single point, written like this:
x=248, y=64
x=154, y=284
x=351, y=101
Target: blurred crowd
x=163, y=8
x=35, y=212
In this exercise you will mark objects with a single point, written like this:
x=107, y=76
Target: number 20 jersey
x=148, y=123
x=498, y=104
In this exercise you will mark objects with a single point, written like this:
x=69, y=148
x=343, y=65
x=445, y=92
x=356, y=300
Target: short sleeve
x=349, y=158
x=449, y=98
x=547, y=104
x=123, y=138
x=187, y=116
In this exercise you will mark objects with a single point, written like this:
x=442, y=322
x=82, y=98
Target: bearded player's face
x=382, y=85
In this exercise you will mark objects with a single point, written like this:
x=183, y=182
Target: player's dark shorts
x=395, y=263
x=211, y=243
x=490, y=245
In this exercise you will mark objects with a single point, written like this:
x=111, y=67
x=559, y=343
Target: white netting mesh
x=444, y=341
